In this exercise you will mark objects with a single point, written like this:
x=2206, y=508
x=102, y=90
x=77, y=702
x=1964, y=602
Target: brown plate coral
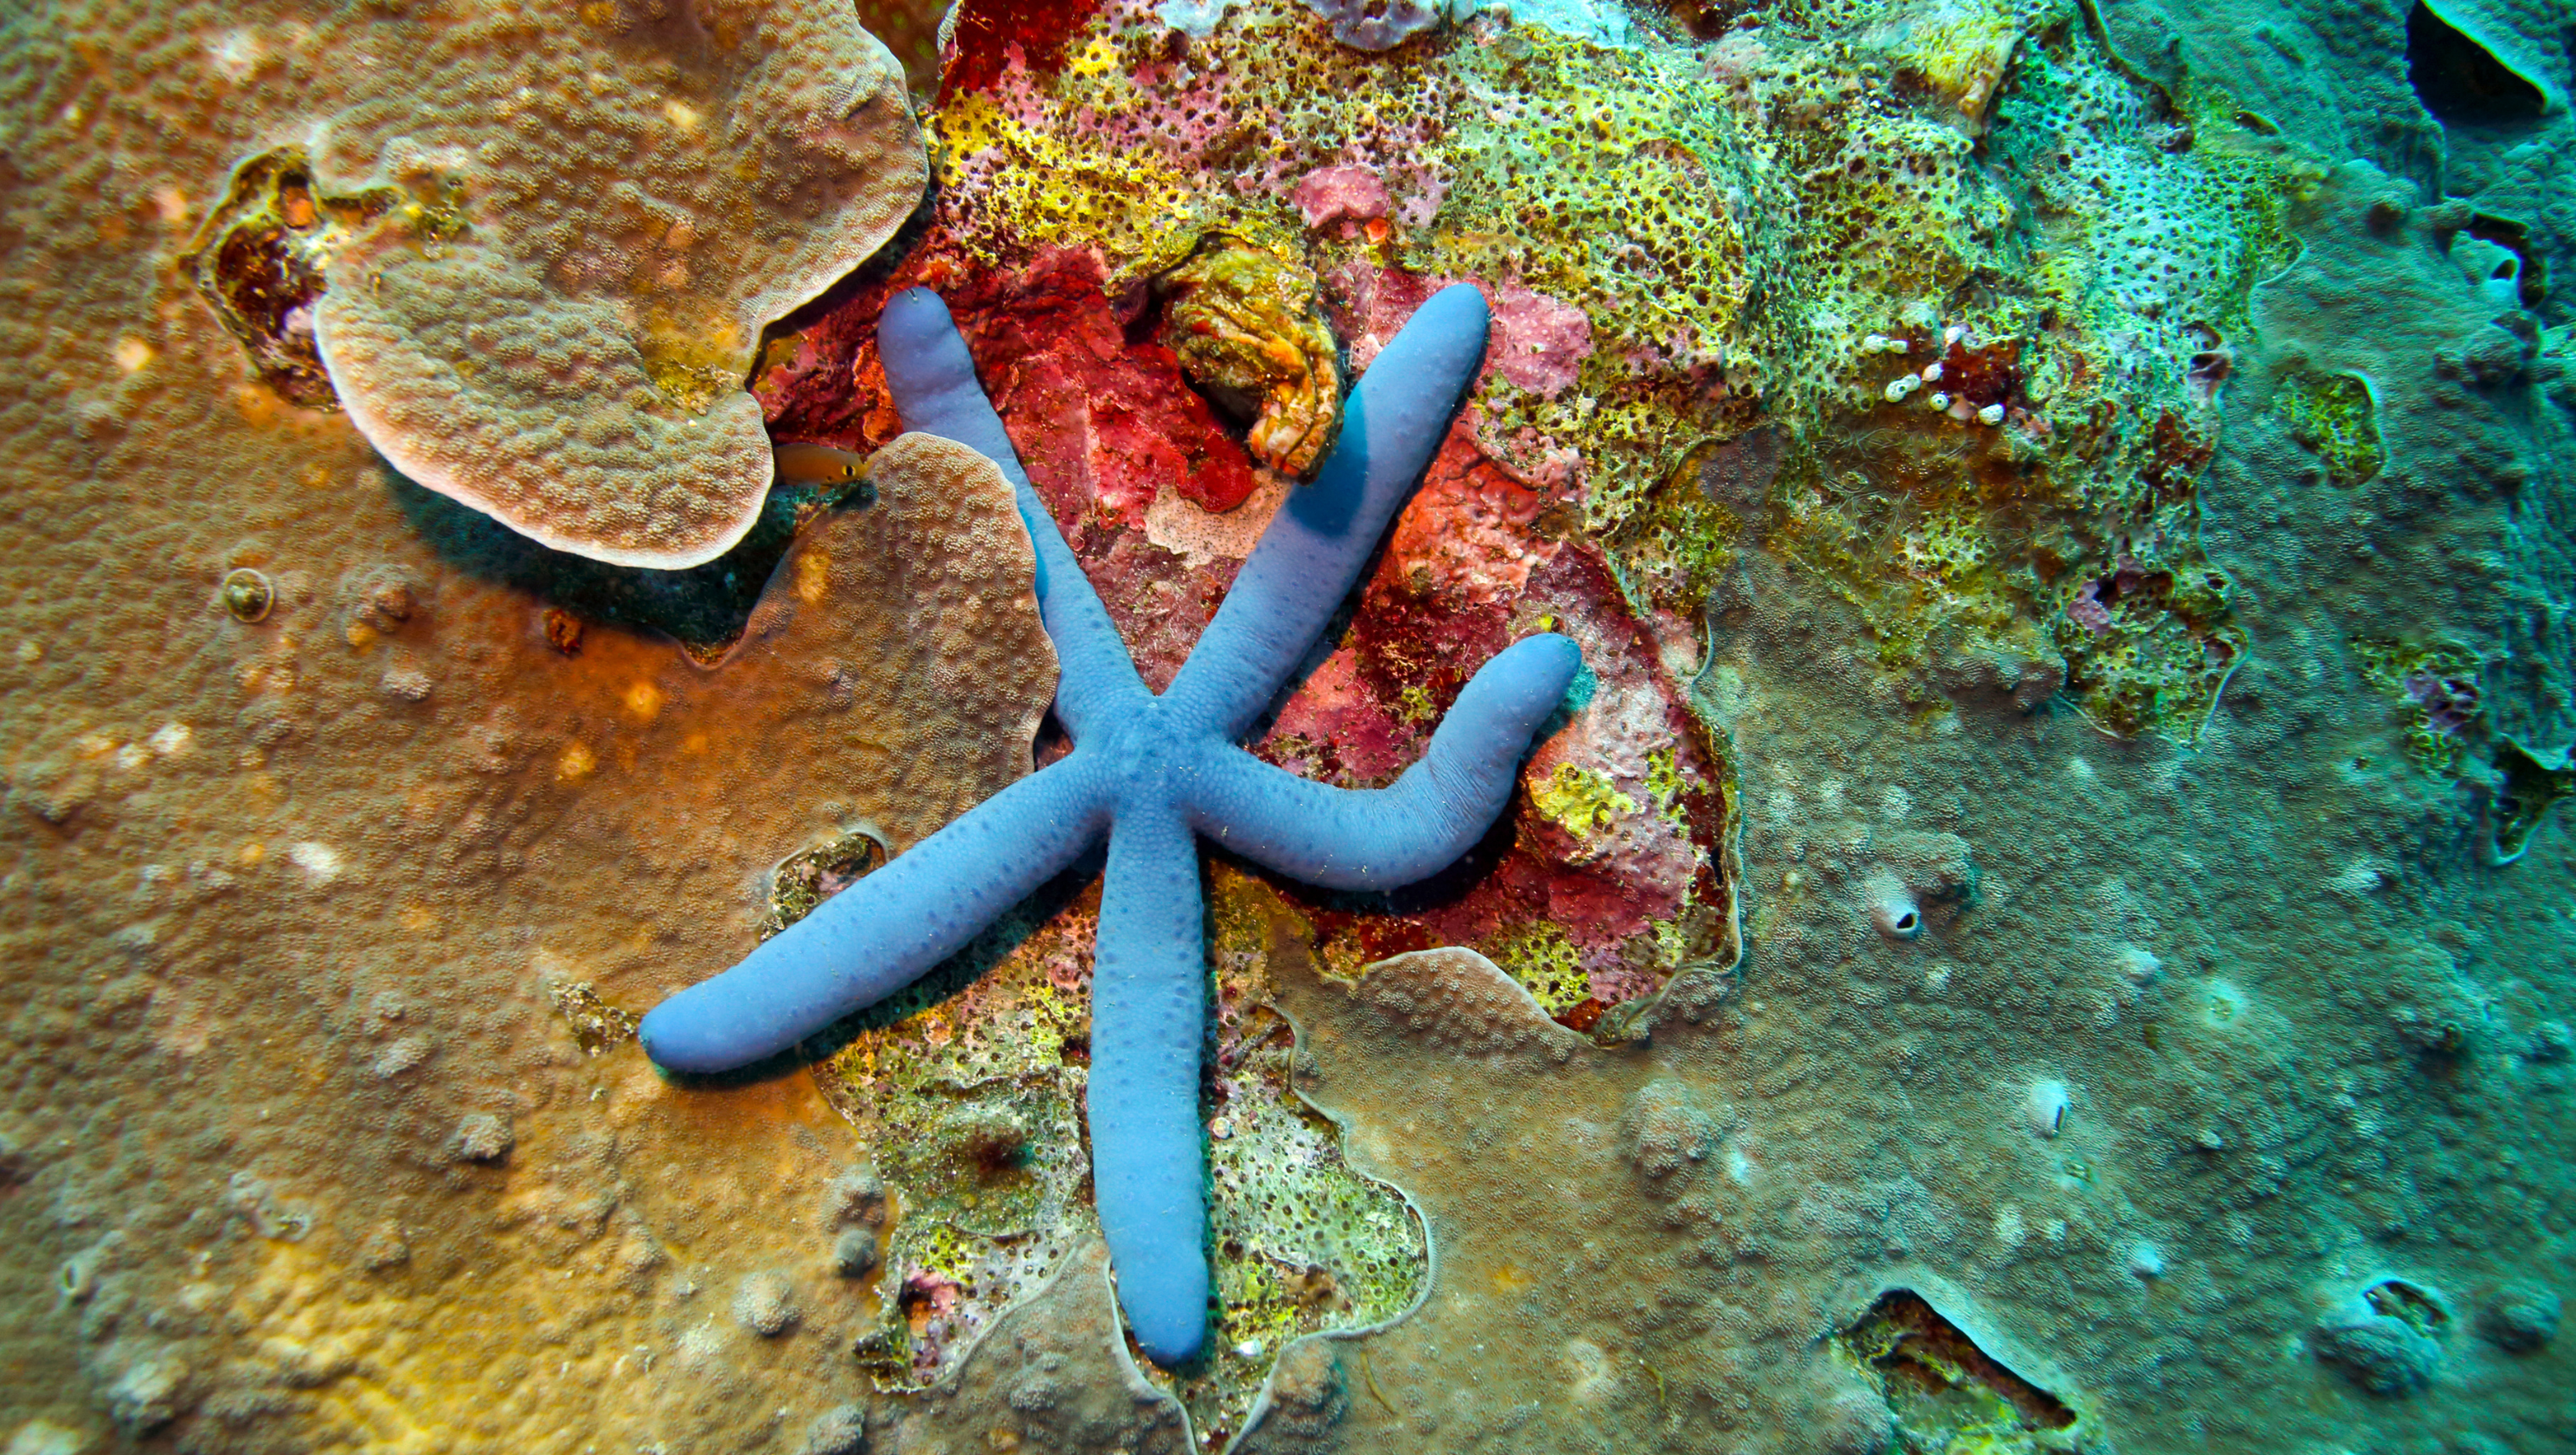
x=534, y=249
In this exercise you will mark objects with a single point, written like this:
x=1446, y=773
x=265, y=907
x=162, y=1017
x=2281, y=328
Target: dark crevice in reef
x=258, y=261
x=2460, y=81
x=2529, y=786
x=1942, y=1388
x=704, y=609
x=2531, y=262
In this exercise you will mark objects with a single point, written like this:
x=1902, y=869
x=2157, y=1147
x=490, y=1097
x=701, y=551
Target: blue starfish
x=1149, y=771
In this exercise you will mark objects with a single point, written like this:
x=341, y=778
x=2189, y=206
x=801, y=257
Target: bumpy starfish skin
x=1151, y=772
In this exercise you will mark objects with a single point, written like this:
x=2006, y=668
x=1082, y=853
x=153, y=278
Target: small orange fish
x=807, y=464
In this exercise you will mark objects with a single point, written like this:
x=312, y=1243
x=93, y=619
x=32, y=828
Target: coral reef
x=2064, y=526
x=1052, y=1375
x=1377, y=25
x=491, y=362
x=2042, y=924
x=1147, y=771
x=389, y=865
x=536, y=285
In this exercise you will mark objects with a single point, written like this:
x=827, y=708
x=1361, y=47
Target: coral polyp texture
x=1148, y=771
x=533, y=249
x=2041, y=922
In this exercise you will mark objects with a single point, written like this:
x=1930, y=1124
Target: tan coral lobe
x=605, y=208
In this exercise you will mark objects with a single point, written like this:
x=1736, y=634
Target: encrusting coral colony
x=1288, y=726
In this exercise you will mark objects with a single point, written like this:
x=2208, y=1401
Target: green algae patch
x=2336, y=418
x=2434, y=690
x=596, y=1025
x=1709, y=270
x=1995, y=369
x=2013, y=467
x=963, y=1086
x=967, y=1088
x=1303, y=1243
x=1665, y=784
x=1580, y=800
x=2149, y=647
x=1030, y=183
x=1545, y=962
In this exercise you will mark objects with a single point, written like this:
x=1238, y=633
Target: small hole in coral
x=2400, y=1299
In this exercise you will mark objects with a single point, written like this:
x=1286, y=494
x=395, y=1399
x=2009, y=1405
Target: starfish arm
x=933, y=381
x=882, y=933
x=1324, y=534
x=1339, y=838
x=1148, y=1020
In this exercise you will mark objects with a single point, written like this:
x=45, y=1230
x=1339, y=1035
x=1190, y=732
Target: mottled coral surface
x=535, y=246
x=2051, y=867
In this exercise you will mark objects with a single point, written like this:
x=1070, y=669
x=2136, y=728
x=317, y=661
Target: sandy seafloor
x=2224, y=1100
